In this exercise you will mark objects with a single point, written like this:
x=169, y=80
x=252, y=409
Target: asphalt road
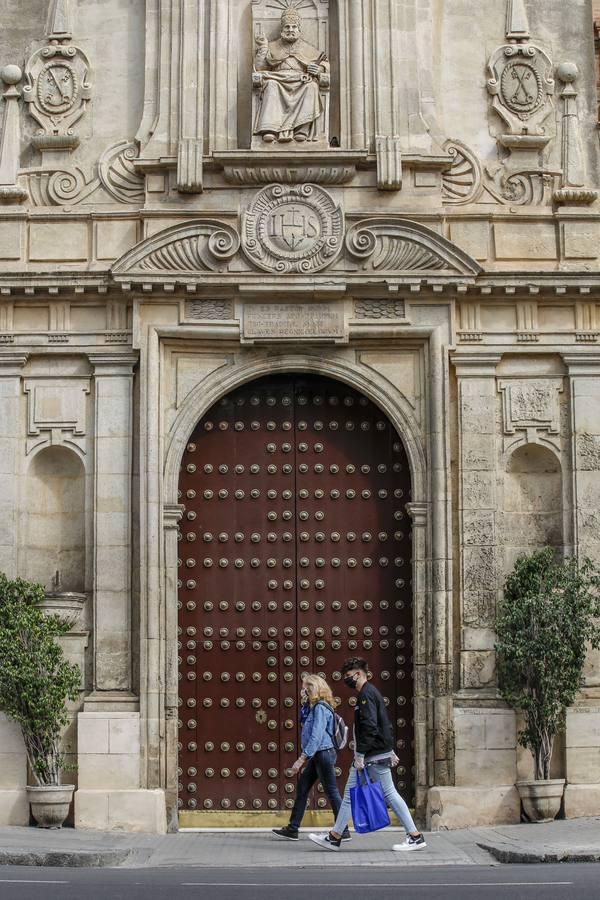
x=540, y=882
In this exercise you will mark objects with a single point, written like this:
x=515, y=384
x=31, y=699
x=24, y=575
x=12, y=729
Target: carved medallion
x=522, y=87
x=293, y=228
x=57, y=88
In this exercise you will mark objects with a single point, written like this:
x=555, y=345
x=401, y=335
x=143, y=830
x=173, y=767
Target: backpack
x=339, y=735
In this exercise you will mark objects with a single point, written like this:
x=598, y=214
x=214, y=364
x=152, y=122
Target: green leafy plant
x=545, y=624
x=36, y=680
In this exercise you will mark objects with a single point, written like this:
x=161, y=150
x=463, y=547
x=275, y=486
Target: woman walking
x=318, y=757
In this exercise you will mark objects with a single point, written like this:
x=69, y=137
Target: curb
x=503, y=855
x=58, y=858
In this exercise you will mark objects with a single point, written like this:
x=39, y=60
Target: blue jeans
x=393, y=799
x=320, y=767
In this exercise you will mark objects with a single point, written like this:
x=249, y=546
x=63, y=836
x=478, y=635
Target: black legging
x=320, y=767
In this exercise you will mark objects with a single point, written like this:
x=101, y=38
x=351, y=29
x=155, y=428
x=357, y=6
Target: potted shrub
x=36, y=681
x=545, y=623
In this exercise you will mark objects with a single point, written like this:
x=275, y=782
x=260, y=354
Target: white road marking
x=396, y=885
x=30, y=881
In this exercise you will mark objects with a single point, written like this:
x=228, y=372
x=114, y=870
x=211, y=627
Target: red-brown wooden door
x=295, y=552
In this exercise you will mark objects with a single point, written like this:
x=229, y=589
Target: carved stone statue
x=290, y=74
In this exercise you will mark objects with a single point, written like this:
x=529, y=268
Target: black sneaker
x=287, y=833
x=326, y=841
x=346, y=836
x=411, y=843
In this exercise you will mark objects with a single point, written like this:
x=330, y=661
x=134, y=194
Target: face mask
x=351, y=681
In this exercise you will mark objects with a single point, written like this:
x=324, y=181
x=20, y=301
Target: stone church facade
x=299, y=348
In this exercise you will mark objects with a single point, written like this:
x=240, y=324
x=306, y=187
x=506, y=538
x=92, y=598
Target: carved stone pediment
x=199, y=246
x=385, y=244
x=289, y=230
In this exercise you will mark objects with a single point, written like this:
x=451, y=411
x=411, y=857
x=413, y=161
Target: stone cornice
x=497, y=285
x=12, y=364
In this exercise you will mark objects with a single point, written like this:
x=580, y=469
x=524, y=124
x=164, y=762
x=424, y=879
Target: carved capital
x=418, y=513
x=172, y=515
x=113, y=364
x=389, y=163
x=12, y=364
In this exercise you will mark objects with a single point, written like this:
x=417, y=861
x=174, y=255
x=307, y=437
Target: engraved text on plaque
x=293, y=321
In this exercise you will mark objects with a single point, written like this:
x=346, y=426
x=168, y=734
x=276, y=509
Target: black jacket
x=373, y=731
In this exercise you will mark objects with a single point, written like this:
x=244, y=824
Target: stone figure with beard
x=290, y=72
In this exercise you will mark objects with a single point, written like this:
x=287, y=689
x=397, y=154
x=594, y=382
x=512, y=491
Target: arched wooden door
x=295, y=552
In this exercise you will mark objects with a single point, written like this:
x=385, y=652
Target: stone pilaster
x=583, y=719
x=11, y=367
x=424, y=702
x=168, y=703
x=113, y=434
x=476, y=376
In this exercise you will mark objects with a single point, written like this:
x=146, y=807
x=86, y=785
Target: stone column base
x=581, y=800
x=467, y=807
x=14, y=807
x=130, y=810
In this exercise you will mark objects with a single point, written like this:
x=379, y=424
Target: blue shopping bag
x=369, y=810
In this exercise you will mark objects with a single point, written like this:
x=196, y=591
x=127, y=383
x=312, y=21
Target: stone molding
x=57, y=412
x=289, y=166
x=428, y=575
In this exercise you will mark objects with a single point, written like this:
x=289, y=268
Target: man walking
x=373, y=749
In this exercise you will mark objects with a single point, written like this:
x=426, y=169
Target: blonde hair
x=318, y=689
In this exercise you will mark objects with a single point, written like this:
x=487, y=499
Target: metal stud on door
x=295, y=552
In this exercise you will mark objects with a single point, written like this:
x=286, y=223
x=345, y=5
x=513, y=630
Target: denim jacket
x=317, y=730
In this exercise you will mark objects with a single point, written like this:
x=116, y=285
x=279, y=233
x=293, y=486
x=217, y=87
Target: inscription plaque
x=294, y=321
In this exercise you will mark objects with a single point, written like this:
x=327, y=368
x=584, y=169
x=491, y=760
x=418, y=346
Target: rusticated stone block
x=478, y=669
x=469, y=807
x=478, y=491
x=479, y=568
x=588, y=452
x=478, y=528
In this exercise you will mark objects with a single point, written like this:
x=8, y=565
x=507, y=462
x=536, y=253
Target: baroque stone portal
x=290, y=74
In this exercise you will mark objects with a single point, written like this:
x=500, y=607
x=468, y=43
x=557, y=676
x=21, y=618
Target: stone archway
x=295, y=551
x=429, y=550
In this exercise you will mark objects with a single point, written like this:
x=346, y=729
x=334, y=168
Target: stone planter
x=541, y=799
x=66, y=604
x=50, y=804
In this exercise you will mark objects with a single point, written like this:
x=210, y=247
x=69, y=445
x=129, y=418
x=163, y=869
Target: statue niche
x=291, y=77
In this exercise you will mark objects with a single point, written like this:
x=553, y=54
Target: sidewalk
x=576, y=840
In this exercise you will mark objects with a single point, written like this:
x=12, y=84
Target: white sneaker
x=324, y=841
x=411, y=843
